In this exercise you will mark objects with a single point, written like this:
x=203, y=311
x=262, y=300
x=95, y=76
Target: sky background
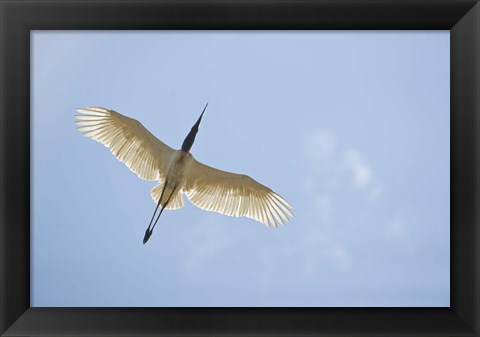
x=352, y=128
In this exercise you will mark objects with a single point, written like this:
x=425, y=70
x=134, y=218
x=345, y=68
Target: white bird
x=178, y=172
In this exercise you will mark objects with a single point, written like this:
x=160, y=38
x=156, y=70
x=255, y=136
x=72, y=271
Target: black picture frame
x=19, y=17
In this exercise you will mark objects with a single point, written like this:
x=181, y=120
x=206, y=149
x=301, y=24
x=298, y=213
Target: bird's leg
x=149, y=231
x=163, y=207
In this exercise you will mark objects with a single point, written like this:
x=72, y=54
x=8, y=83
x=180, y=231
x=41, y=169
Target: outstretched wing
x=128, y=140
x=235, y=195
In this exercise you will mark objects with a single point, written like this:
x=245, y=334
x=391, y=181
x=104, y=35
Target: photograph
x=181, y=168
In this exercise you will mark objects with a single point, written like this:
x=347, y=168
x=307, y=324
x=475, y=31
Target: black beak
x=188, y=142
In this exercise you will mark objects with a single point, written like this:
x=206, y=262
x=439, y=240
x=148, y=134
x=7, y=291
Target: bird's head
x=188, y=142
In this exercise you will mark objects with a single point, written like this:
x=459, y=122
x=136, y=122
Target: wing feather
x=235, y=195
x=128, y=140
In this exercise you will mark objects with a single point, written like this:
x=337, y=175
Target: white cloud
x=322, y=155
x=320, y=248
x=335, y=172
x=332, y=172
x=333, y=166
x=321, y=145
x=362, y=173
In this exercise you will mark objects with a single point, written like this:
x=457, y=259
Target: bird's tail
x=175, y=202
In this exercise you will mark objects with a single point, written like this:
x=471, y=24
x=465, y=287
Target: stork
x=177, y=171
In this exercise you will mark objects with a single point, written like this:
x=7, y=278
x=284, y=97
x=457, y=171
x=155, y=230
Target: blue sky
x=352, y=128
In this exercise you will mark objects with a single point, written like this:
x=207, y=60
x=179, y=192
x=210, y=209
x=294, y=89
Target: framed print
x=383, y=238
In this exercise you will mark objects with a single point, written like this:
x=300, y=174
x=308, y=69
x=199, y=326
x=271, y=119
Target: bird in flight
x=178, y=172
